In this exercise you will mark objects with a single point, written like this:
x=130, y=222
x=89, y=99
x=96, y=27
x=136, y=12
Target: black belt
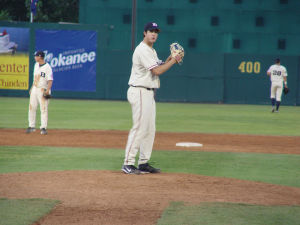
x=149, y=89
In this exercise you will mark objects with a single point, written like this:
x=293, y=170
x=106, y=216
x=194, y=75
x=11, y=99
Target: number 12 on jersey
x=249, y=67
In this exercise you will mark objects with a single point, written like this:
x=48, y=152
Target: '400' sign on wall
x=72, y=56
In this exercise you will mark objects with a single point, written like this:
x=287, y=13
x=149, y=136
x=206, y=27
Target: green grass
x=171, y=117
x=281, y=169
x=24, y=211
x=229, y=213
x=174, y=117
x=271, y=168
x=35, y=158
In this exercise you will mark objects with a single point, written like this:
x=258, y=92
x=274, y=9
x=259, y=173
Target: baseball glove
x=286, y=90
x=45, y=95
x=177, y=52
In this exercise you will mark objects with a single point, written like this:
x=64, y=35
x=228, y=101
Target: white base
x=189, y=144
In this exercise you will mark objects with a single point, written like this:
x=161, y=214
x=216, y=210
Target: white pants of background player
x=276, y=90
x=141, y=136
x=36, y=98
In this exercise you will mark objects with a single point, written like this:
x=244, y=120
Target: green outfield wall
x=204, y=76
x=246, y=80
x=219, y=26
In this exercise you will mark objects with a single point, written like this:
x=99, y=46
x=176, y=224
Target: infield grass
x=280, y=169
x=24, y=211
x=229, y=213
x=171, y=117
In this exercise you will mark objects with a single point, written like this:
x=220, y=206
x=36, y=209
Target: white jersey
x=143, y=60
x=277, y=73
x=41, y=75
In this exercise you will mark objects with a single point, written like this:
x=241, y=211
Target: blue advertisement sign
x=14, y=39
x=72, y=56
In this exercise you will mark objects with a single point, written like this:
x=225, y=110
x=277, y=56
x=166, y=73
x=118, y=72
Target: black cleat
x=146, y=168
x=30, y=130
x=130, y=169
x=44, y=131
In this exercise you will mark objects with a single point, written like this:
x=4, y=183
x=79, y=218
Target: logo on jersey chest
x=43, y=74
x=277, y=73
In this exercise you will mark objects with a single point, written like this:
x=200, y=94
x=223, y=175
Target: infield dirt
x=163, y=140
x=113, y=198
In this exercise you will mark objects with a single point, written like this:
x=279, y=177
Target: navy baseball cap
x=39, y=53
x=277, y=60
x=151, y=26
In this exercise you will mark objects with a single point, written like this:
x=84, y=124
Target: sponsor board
x=72, y=57
x=14, y=59
x=14, y=72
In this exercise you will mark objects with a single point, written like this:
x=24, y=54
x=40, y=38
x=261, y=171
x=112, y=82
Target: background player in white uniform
x=278, y=75
x=42, y=82
x=144, y=80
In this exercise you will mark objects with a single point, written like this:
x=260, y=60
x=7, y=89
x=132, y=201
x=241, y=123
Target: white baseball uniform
x=277, y=74
x=41, y=75
x=141, y=97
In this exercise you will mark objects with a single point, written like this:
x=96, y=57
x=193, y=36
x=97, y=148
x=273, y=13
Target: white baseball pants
x=36, y=98
x=276, y=90
x=142, y=133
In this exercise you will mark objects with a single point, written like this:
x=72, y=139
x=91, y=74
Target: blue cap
x=151, y=26
x=39, y=53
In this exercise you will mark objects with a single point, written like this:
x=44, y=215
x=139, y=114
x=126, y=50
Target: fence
x=203, y=77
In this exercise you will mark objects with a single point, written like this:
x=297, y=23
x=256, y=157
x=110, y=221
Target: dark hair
x=157, y=31
x=277, y=60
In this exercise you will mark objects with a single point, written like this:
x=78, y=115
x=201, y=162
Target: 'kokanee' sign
x=72, y=56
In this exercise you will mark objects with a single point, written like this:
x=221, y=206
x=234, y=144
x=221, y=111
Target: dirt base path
x=113, y=198
x=163, y=140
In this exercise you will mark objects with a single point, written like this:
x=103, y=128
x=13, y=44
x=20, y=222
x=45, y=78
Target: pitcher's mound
x=114, y=198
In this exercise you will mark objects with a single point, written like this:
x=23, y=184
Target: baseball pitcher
x=144, y=80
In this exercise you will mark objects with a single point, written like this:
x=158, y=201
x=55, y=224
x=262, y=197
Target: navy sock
x=277, y=105
x=273, y=101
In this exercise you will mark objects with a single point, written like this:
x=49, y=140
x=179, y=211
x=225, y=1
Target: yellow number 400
x=249, y=67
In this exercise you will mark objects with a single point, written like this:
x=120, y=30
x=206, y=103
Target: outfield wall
x=203, y=77
x=219, y=26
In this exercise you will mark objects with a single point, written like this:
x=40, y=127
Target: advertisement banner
x=72, y=56
x=14, y=58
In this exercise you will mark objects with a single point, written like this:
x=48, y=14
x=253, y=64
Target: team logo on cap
x=154, y=24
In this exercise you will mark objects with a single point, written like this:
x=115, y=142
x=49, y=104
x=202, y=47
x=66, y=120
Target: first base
x=189, y=144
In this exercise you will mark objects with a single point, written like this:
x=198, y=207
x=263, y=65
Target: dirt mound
x=104, y=197
x=113, y=198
